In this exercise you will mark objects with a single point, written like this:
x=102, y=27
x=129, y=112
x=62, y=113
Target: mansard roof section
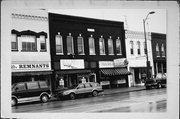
x=137, y=34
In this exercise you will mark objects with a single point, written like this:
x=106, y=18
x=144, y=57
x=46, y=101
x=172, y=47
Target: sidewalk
x=122, y=90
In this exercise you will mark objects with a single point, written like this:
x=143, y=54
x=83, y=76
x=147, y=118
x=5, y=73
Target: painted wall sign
x=121, y=62
x=72, y=64
x=106, y=64
x=31, y=66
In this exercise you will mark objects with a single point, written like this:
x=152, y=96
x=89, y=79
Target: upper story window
x=59, y=44
x=80, y=43
x=110, y=46
x=14, y=42
x=70, y=44
x=101, y=46
x=139, y=47
x=157, y=50
x=163, y=50
x=29, y=43
x=145, y=49
x=91, y=46
x=43, y=43
x=118, y=47
x=132, y=47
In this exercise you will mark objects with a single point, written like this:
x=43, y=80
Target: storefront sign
x=31, y=66
x=121, y=81
x=106, y=64
x=90, y=30
x=121, y=62
x=105, y=83
x=72, y=64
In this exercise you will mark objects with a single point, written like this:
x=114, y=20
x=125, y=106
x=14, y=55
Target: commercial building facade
x=159, y=52
x=30, y=51
x=87, y=48
x=136, y=56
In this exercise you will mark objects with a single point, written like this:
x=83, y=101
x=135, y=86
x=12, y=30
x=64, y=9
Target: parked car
x=158, y=82
x=89, y=88
x=30, y=91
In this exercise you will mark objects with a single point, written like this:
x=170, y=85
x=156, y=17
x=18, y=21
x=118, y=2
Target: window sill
x=43, y=50
x=121, y=54
x=92, y=54
x=110, y=54
x=14, y=50
x=102, y=54
x=59, y=53
x=28, y=51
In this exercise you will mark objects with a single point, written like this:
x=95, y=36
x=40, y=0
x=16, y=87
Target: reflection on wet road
x=140, y=101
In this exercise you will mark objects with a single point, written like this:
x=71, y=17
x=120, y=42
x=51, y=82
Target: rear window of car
x=43, y=84
x=32, y=85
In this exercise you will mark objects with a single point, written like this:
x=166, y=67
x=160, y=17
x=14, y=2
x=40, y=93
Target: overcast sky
x=155, y=23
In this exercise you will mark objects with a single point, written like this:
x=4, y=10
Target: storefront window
x=110, y=46
x=91, y=46
x=14, y=42
x=162, y=50
x=131, y=47
x=43, y=43
x=80, y=43
x=59, y=44
x=118, y=47
x=70, y=45
x=29, y=43
x=101, y=46
x=139, y=47
x=157, y=50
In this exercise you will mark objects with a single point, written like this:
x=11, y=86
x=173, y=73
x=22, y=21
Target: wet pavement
x=114, y=100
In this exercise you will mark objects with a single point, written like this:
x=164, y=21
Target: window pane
x=118, y=46
x=70, y=49
x=157, y=50
x=43, y=42
x=80, y=45
x=59, y=44
x=43, y=84
x=91, y=46
x=32, y=85
x=14, y=42
x=110, y=46
x=28, y=43
x=139, y=47
x=101, y=46
x=20, y=87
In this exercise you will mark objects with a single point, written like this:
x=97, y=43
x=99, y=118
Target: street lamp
x=147, y=60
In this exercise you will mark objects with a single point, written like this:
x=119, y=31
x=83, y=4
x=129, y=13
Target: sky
x=134, y=17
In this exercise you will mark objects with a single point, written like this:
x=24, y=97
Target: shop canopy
x=31, y=73
x=112, y=72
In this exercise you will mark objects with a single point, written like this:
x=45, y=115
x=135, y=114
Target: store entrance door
x=72, y=80
x=136, y=76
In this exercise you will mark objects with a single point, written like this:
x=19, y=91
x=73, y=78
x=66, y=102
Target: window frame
x=16, y=38
x=120, y=46
x=60, y=45
x=93, y=45
x=163, y=50
x=72, y=44
x=131, y=47
x=82, y=44
x=157, y=50
x=101, y=39
x=110, y=46
x=139, y=48
x=35, y=43
x=45, y=43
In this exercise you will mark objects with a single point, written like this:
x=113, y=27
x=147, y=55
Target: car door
x=80, y=89
x=20, y=91
x=88, y=88
x=33, y=89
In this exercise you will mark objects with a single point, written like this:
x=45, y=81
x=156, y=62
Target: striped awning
x=122, y=71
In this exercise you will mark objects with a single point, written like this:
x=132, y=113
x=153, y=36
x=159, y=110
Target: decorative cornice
x=137, y=34
x=30, y=17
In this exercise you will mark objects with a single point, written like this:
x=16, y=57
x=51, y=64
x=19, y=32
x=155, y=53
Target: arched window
x=118, y=47
x=80, y=43
x=131, y=47
x=91, y=46
x=101, y=46
x=139, y=48
x=59, y=44
x=70, y=44
x=157, y=50
x=110, y=46
x=163, y=50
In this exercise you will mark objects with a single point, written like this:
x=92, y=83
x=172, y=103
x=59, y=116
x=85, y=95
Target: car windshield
x=73, y=86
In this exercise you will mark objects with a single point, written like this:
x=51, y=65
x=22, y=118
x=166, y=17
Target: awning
x=82, y=71
x=31, y=73
x=122, y=71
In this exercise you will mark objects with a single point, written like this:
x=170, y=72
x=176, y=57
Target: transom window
x=157, y=50
x=43, y=43
x=80, y=43
x=101, y=46
x=91, y=46
x=110, y=46
x=14, y=42
x=70, y=45
x=29, y=43
x=118, y=47
x=59, y=44
x=139, y=47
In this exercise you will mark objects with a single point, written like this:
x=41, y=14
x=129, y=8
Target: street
x=139, y=101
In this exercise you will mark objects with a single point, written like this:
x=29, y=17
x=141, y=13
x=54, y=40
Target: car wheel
x=72, y=96
x=13, y=101
x=95, y=93
x=159, y=85
x=44, y=98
